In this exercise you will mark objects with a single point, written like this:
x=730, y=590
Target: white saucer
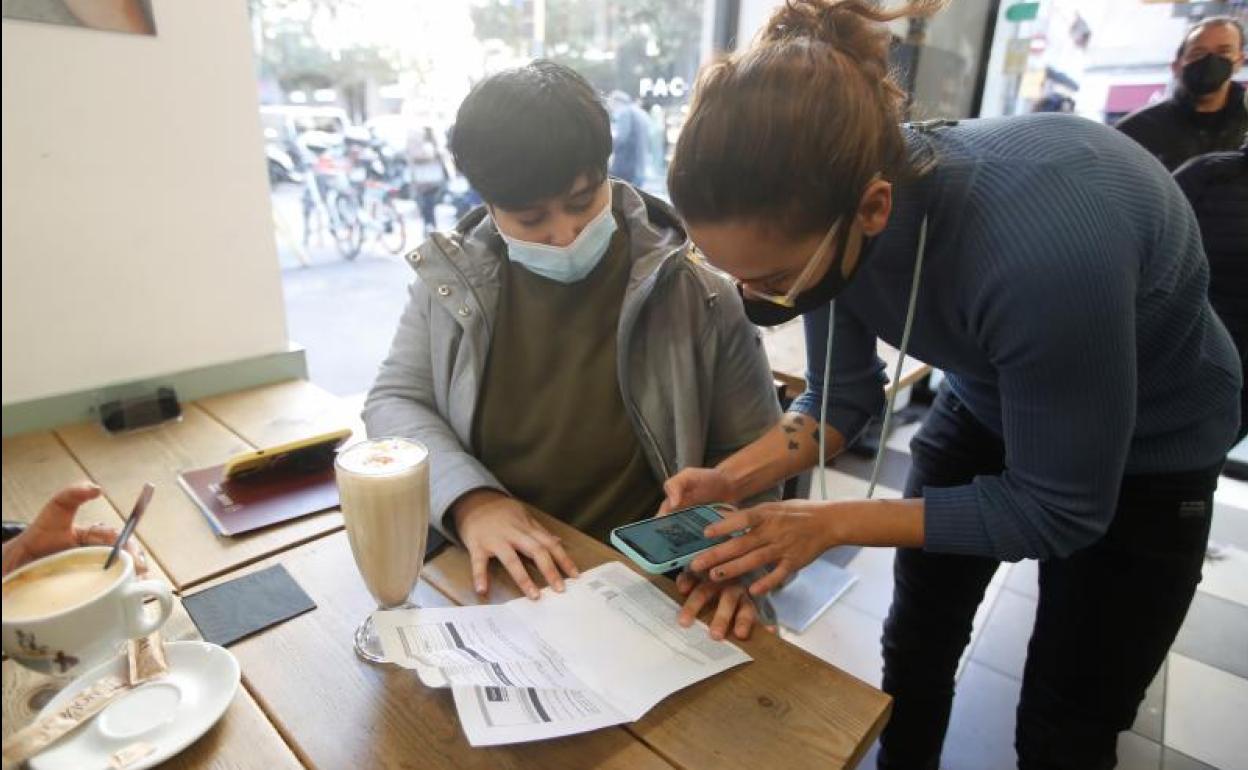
x=168, y=713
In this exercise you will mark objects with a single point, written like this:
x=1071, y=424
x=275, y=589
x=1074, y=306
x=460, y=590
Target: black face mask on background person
x=1205, y=75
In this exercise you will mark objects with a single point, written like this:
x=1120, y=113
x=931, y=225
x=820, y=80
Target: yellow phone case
x=251, y=462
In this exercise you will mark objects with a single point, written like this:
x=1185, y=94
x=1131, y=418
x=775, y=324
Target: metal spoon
x=140, y=505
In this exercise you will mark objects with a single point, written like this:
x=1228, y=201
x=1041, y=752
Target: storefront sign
x=662, y=88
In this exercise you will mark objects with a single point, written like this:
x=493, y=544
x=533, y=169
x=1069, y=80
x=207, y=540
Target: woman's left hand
x=733, y=607
x=784, y=536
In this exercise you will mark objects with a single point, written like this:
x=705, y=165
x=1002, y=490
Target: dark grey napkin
x=237, y=609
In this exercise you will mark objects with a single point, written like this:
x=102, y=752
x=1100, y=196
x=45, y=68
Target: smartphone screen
x=665, y=539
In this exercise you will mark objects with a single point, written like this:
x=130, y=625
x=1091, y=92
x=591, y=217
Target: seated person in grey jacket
x=559, y=348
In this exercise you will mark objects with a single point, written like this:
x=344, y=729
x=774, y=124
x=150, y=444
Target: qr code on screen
x=677, y=535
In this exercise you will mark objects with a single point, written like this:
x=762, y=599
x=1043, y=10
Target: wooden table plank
x=174, y=530
x=284, y=411
x=35, y=466
x=338, y=711
x=827, y=717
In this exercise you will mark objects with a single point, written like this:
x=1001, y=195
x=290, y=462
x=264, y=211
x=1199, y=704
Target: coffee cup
x=65, y=613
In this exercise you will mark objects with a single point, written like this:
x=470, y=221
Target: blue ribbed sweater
x=1064, y=292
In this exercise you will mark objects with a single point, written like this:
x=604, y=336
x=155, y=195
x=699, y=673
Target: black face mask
x=764, y=313
x=1206, y=74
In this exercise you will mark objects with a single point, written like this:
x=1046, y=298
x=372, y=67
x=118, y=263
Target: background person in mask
x=559, y=349
x=1217, y=187
x=1207, y=112
x=1092, y=391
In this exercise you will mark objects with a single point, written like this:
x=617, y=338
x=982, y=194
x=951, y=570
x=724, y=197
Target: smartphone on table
x=669, y=542
x=304, y=455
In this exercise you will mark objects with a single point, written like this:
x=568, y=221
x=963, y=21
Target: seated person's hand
x=493, y=525
x=53, y=530
x=736, y=608
x=695, y=486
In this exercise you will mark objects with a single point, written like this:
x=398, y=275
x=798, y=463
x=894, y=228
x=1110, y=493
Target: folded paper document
x=602, y=653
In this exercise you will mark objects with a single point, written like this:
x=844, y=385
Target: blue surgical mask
x=571, y=263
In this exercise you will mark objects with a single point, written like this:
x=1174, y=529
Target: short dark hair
x=1212, y=21
x=526, y=134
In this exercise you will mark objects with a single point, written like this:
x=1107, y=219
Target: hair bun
x=854, y=27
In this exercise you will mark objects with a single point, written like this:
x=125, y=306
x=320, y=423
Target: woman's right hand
x=695, y=486
x=492, y=525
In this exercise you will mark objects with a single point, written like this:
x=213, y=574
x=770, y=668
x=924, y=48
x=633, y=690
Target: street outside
x=342, y=312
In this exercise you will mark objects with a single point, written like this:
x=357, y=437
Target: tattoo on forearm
x=790, y=425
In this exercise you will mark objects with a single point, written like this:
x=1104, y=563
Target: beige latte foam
x=61, y=585
x=382, y=457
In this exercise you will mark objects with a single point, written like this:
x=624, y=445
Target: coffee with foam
x=383, y=486
x=382, y=457
x=58, y=586
x=65, y=612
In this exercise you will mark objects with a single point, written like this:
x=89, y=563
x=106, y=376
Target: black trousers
x=1106, y=617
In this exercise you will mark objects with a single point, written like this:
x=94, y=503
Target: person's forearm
x=896, y=523
x=782, y=452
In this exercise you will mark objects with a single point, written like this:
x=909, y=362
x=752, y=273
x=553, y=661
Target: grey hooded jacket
x=692, y=370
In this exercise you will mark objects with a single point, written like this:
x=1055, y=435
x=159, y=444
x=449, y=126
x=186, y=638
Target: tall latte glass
x=383, y=485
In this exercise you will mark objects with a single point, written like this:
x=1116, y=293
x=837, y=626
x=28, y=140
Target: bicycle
x=379, y=218
x=329, y=202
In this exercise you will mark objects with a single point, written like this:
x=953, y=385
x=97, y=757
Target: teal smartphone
x=669, y=542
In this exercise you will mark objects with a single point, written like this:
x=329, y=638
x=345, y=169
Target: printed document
x=602, y=653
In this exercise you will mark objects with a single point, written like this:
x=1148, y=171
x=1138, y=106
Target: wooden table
x=785, y=709
x=339, y=712
x=308, y=700
x=174, y=530
x=786, y=350
x=35, y=466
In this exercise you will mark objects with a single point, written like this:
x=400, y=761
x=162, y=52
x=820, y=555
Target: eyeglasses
x=788, y=298
x=813, y=265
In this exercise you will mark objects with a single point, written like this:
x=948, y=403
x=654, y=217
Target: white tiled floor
x=1137, y=753
x=981, y=728
x=847, y=638
x=1024, y=578
x=1205, y=713
x=991, y=595
x=1225, y=575
x=1003, y=644
x=1149, y=719
x=873, y=593
x=1232, y=492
